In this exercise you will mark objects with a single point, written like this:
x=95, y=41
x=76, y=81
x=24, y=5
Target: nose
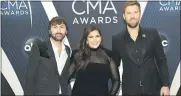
x=58, y=30
x=132, y=15
x=95, y=39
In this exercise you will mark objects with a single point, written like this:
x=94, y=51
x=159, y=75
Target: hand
x=164, y=91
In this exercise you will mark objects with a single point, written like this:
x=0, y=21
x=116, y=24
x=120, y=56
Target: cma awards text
x=14, y=8
x=84, y=13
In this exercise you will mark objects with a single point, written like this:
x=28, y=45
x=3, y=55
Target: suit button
x=138, y=60
x=139, y=66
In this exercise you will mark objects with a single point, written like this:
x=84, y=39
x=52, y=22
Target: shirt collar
x=140, y=32
x=55, y=47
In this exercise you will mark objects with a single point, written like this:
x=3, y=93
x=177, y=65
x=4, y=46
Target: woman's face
x=94, y=39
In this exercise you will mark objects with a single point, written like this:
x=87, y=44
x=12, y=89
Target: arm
x=72, y=68
x=115, y=78
x=71, y=71
x=161, y=60
x=31, y=70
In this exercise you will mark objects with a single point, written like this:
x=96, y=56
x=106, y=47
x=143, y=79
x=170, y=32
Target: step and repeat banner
x=26, y=22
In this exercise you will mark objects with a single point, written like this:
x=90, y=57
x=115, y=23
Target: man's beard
x=57, y=38
x=132, y=26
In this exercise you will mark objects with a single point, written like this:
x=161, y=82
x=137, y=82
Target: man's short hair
x=131, y=3
x=57, y=20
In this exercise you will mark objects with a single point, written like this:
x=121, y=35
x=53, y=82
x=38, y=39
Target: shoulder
x=110, y=53
x=36, y=49
x=68, y=50
x=37, y=45
x=74, y=54
x=42, y=45
x=113, y=56
x=118, y=35
x=42, y=48
x=150, y=31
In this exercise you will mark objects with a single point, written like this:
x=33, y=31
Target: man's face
x=58, y=32
x=132, y=16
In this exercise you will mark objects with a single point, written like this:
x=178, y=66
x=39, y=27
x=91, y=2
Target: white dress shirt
x=60, y=59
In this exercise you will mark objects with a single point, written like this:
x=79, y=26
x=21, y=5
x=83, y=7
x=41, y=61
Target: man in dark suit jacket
x=47, y=72
x=145, y=70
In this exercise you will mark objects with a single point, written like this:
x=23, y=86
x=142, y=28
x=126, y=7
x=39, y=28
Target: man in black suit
x=145, y=70
x=49, y=63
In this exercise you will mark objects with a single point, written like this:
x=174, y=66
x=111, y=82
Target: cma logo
x=16, y=8
x=29, y=44
x=164, y=40
x=15, y=5
x=89, y=5
x=169, y=2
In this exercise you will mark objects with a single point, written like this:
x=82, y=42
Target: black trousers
x=63, y=95
x=149, y=94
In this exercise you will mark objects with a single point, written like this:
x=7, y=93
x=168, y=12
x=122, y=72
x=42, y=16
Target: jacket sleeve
x=31, y=70
x=115, y=52
x=161, y=60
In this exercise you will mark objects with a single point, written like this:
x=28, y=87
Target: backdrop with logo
x=26, y=22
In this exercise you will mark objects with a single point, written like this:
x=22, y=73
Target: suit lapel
x=67, y=61
x=127, y=47
x=51, y=55
x=143, y=51
x=143, y=44
x=131, y=56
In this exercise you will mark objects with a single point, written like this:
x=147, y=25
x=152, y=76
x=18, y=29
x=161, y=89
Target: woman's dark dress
x=93, y=81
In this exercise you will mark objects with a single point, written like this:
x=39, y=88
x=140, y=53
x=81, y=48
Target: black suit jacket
x=42, y=77
x=151, y=72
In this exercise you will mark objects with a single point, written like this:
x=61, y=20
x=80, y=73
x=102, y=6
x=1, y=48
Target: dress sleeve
x=115, y=78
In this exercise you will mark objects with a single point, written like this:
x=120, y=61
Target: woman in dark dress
x=93, y=67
